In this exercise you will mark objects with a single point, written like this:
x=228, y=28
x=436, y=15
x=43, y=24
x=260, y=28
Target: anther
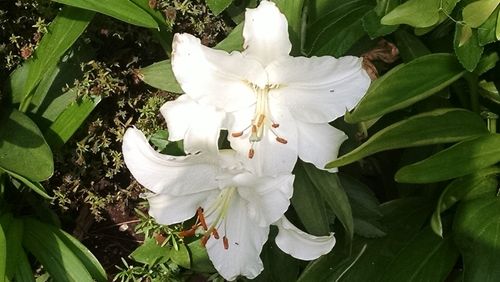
x=226, y=242
x=254, y=129
x=204, y=240
x=188, y=233
x=275, y=125
x=201, y=217
x=281, y=140
x=251, y=153
x=215, y=233
x=237, y=134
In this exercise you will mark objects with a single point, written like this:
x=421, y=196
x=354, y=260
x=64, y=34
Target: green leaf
x=218, y=6
x=315, y=220
x=15, y=84
x=151, y=253
x=410, y=46
x=329, y=187
x=469, y=53
x=476, y=228
x=3, y=253
x=417, y=13
x=293, y=13
x=35, y=186
x=406, y=85
x=458, y=189
x=486, y=33
x=63, y=32
x=476, y=13
x=487, y=63
x=161, y=76
x=278, y=266
x=371, y=21
x=160, y=139
x=461, y=159
x=52, y=252
x=336, y=32
x=123, y=10
x=234, y=41
x=14, y=235
x=181, y=257
x=70, y=120
x=23, y=149
x=23, y=272
x=199, y=258
x=448, y=125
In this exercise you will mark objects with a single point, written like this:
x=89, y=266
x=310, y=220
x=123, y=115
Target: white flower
x=234, y=207
x=276, y=107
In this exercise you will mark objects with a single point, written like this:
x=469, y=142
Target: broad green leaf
x=417, y=13
x=406, y=85
x=293, y=13
x=445, y=10
x=426, y=257
x=371, y=21
x=457, y=190
x=35, y=186
x=160, y=139
x=335, y=33
x=123, y=10
x=23, y=149
x=59, y=260
x=63, y=32
x=151, y=253
x=218, y=6
x=23, y=272
x=15, y=84
x=410, y=46
x=461, y=159
x=486, y=33
x=70, y=120
x=305, y=196
x=486, y=63
x=199, y=258
x=469, y=53
x=161, y=76
x=329, y=187
x=476, y=230
x=86, y=257
x=234, y=41
x=402, y=220
x=465, y=34
x=448, y=125
x=181, y=257
x=3, y=253
x=476, y=13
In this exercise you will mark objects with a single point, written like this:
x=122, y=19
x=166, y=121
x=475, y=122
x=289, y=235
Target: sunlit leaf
x=218, y=6
x=476, y=13
x=461, y=159
x=417, y=13
x=161, y=76
x=469, y=53
x=181, y=256
x=486, y=33
x=150, y=253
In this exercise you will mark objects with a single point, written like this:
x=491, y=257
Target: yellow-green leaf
x=476, y=13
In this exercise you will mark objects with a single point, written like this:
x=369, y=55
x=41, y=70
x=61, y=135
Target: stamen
x=215, y=233
x=204, y=240
x=226, y=242
x=237, y=134
x=275, y=125
x=251, y=153
x=187, y=233
x=281, y=140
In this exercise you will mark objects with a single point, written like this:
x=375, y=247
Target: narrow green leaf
x=23, y=149
x=371, y=21
x=448, y=125
x=15, y=84
x=70, y=120
x=330, y=188
x=3, y=253
x=23, y=272
x=406, y=85
x=305, y=196
x=497, y=32
x=469, y=53
x=461, y=159
x=52, y=252
x=476, y=13
x=477, y=234
x=199, y=257
x=63, y=32
x=35, y=186
x=457, y=190
x=181, y=257
x=218, y=6
x=123, y=10
x=151, y=253
x=487, y=63
x=410, y=46
x=161, y=76
x=14, y=235
x=417, y=13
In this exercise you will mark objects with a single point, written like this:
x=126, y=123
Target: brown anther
x=251, y=152
x=226, y=242
x=159, y=238
x=237, y=134
x=254, y=129
x=187, y=233
x=275, y=125
x=261, y=120
x=204, y=240
x=215, y=233
x=281, y=140
x=201, y=217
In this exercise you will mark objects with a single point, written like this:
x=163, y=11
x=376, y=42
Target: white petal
x=167, y=174
x=167, y=209
x=267, y=198
x=271, y=157
x=319, y=143
x=245, y=240
x=318, y=89
x=266, y=33
x=215, y=77
x=301, y=245
x=199, y=125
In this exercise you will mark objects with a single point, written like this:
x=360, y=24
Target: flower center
x=219, y=209
x=262, y=119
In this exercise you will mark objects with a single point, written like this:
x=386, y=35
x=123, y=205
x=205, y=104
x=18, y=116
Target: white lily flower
x=234, y=207
x=277, y=107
